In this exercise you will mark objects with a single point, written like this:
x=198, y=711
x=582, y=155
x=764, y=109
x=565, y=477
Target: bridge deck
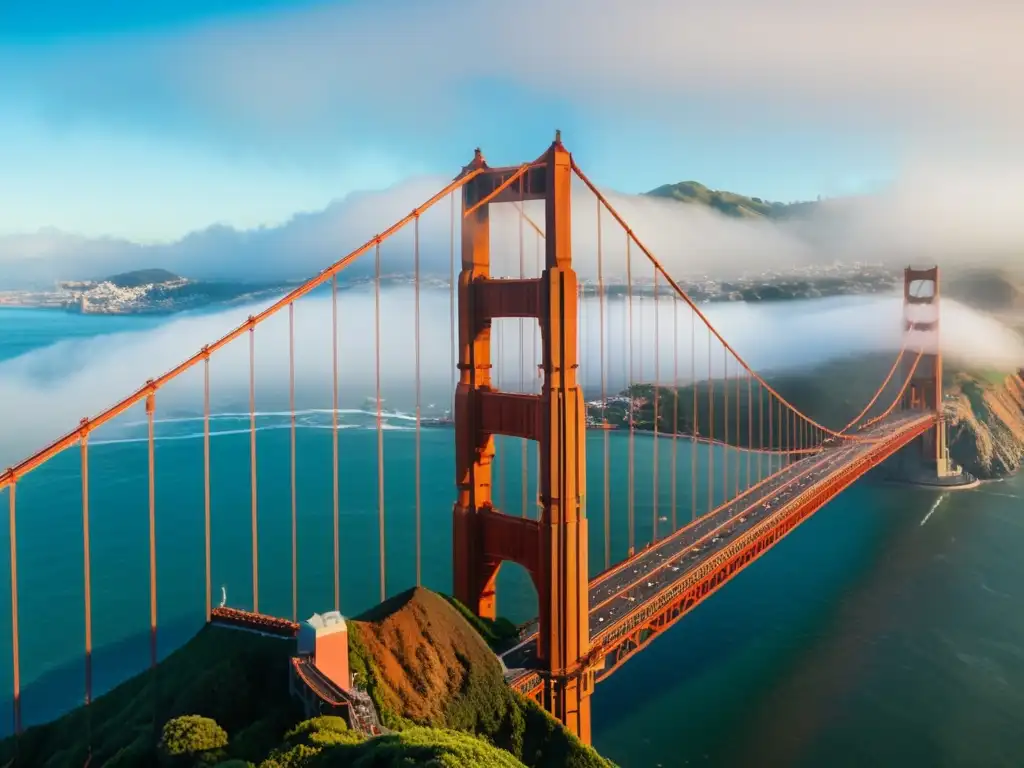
x=620, y=591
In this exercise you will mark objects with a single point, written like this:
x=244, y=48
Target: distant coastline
x=159, y=292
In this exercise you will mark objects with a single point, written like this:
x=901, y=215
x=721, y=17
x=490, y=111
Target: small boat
x=443, y=421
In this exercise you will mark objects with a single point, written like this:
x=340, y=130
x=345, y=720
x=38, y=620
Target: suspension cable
x=291, y=407
x=711, y=426
x=206, y=486
x=151, y=457
x=87, y=585
x=604, y=398
x=523, y=457
x=695, y=426
x=419, y=395
x=380, y=429
x=334, y=443
x=88, y=425
x=657, y=398
x=631, y=235
x=630, y=392
x=252, y=471
x=15, y=633
x=675, y=409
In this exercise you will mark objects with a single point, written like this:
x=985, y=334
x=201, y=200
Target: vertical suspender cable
x=760, y=431
x=499, y=440
x=750, y=428
x=206, y=483
x=657, y=397
x=419, y=400
x=151, y=452
x=150, y=409
x=334, y=440
x=739, y=429
x=295, y=515
x=86, y=568
x=695, y=426
x=252, y=469
x=711, y=428
x=629, y=391
x=524, y=457
x=675, y=405
x=380, y=425
x=725, y=422
x=537, y=342
x=15, y=634
x=451, y=303
x=604, y=398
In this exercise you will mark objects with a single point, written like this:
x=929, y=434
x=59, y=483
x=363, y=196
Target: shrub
x=191, y=739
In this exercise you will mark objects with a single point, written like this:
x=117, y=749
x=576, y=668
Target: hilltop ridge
x=730, y=203
x=223, y=699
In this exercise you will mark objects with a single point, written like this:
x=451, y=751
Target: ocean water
x=885, y=630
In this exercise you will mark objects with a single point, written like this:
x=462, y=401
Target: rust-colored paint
x=925, y=390
x=554, y=548
x=618, y=642
x=68, y=440
x=15, y=634
x=151, y=455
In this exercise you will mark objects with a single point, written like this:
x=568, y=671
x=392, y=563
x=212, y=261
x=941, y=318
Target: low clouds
x=956, y=216
x=49, y=390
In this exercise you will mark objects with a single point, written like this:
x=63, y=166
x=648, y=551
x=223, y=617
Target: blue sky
x=148, y=120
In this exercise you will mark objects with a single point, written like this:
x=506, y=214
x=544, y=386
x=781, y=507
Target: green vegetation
x=499, y=633
x=140, y=277
x=832, y=394
x=450, y=679
x=729, y=203
x=191, y=740
x=222, y=700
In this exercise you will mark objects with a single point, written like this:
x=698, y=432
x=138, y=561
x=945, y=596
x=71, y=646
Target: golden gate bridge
x=769, y=465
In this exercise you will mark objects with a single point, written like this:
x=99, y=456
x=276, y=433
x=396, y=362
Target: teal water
x=885, y=630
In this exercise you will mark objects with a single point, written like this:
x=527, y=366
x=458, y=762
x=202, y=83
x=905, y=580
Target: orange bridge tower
x=552, y=549
x=921, y=318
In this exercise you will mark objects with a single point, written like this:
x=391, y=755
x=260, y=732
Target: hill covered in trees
x=730, y=203
x=223, y=700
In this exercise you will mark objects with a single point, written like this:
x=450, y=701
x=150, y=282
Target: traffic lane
x=684, y=563
x=604, y=586
x=655, y=556
x=680, y=552
x=681, y=566
x=658, y=555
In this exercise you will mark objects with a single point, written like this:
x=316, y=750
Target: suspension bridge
x=696, y=462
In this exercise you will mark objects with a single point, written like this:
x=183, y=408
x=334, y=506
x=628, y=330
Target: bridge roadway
x=620, y=590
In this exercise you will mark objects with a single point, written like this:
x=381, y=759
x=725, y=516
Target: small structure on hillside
x=320, y=677
x=323, y=639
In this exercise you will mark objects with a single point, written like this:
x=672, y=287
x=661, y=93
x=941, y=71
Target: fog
x=923, y=218
x=49, y=390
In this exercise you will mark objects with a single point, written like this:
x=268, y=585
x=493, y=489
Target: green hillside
x=223, y=700
x=729, y=203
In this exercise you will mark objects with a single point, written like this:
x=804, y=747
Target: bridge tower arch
x=552, y=549
x=921, y=296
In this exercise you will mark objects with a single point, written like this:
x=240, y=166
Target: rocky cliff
x=986, y=425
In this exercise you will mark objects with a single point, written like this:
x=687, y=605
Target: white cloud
x=926, y=65
x=953, y=215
